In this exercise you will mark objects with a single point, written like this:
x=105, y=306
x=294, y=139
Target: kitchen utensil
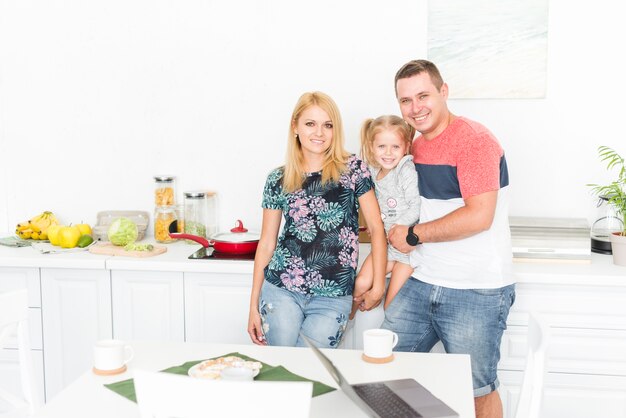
x=106, y=248
x=606, y=223
x=237, y=241
x=210, y=254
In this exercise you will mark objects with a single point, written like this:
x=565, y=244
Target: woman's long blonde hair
x=371, y=127
x=336, y=156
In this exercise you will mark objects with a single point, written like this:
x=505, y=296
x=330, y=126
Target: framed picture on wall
x=490, y=49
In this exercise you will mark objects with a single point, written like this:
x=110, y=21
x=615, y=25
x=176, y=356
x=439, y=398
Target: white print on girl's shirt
x=391, y=212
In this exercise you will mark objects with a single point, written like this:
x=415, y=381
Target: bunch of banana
x=37, y=226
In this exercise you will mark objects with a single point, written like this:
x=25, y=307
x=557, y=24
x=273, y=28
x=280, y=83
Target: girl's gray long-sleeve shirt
x=398, y=194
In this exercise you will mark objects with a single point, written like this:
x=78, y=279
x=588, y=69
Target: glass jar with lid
x=196, y=213
x=164, y=190
x=163, y=218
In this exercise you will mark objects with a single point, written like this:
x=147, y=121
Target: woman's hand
x=255, y=330
x=370, y=299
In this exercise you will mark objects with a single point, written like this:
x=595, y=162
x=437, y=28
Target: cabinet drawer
x=587, y=351
x=20, y=278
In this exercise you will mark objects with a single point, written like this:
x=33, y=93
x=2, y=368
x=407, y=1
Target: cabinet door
x=216, y=307
x=76, y=310
x=148, y=305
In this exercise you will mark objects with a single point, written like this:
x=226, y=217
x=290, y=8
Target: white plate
x=212, y=369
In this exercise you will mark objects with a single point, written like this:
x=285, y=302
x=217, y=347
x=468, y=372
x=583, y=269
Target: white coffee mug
x=378, y=343
x=111, y=354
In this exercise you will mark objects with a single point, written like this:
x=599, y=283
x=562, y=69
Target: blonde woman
x=303, y=279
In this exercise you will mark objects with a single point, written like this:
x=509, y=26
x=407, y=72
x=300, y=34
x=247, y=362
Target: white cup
x=111, y=354
x=378, y=343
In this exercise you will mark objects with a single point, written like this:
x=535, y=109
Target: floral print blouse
x=318, y=250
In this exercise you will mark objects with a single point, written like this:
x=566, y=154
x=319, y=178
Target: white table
x=447, y=376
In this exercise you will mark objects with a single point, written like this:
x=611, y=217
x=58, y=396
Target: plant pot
x=618, y=245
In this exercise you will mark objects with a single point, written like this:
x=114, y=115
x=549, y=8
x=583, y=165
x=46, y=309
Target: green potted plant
x=615, y=194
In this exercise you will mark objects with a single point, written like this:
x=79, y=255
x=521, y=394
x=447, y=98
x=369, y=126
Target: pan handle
x=200, y=240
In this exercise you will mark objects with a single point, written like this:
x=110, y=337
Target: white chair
x=171, y=395
x=529, y=404
x=14, y=320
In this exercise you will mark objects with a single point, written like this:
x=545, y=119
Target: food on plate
x=85, y=229
x=68, y=236
x=84, y=241
x=122, y=231
x=53, y=234
x=212, y=369
x=37, y=226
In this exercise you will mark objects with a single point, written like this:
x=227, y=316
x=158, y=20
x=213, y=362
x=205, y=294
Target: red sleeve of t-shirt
x=478, y=165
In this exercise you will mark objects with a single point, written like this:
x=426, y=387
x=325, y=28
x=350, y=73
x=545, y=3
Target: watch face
x=412, y=239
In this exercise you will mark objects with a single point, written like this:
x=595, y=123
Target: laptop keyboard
x=384, y=401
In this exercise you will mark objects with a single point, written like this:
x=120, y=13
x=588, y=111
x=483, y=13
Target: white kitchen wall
x=97, y=97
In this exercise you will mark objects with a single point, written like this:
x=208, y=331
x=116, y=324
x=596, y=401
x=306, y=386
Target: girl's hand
x=255, y=330
x=370, y=299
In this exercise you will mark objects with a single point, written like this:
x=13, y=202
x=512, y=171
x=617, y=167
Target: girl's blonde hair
x=371, y=127
x=336, y=157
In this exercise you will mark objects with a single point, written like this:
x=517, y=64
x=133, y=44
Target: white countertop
x=601, y=271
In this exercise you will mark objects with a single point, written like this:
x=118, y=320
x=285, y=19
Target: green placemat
x=126, y=388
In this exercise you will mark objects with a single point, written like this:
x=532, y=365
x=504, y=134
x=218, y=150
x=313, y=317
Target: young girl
x=385, y=143
x=303, y=279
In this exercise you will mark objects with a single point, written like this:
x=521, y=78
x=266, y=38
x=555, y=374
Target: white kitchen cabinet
x=216, y=307
x=148, y=305
x=12, y=278
x=76, y=308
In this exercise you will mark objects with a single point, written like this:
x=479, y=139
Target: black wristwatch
x=411, y=238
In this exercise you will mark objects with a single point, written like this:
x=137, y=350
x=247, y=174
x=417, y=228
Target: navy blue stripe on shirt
x=438, y=181
x=504, y=172
x=441, y=181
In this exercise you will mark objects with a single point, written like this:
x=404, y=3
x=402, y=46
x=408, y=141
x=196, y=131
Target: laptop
x=388, y=399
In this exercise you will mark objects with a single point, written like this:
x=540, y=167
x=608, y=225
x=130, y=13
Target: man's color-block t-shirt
x=463, y=161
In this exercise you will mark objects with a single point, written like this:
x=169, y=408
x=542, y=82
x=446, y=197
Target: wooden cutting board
x=106, y=248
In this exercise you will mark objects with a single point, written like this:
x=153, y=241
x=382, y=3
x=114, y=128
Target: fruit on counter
x=85, y=229
x=37, y=226
x=122, y=231
x=68, y=236
x=53, y=234
x=133, y=246
x=84, y=240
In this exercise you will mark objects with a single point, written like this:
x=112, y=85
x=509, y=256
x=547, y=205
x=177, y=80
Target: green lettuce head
x=122, y=231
